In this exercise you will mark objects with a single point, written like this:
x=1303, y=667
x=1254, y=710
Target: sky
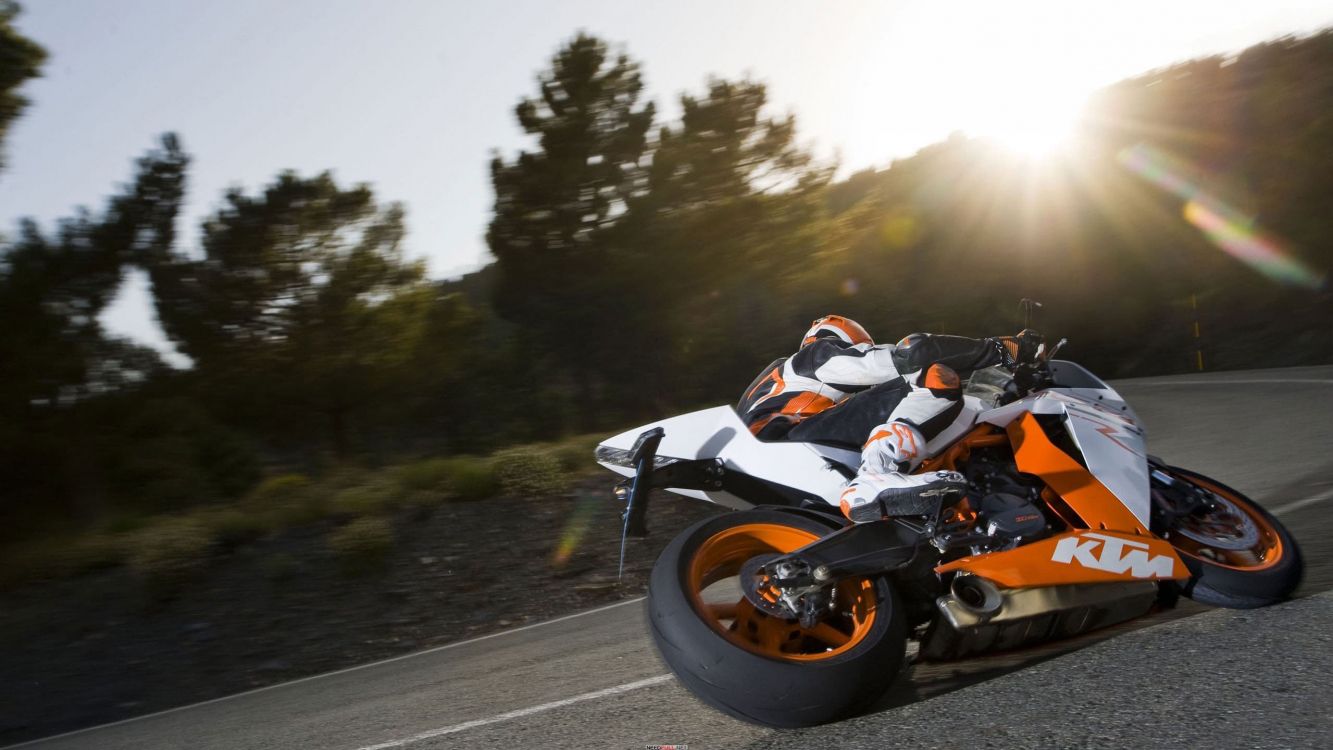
x=414, y=96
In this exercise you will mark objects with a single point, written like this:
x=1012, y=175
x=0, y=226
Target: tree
x=20, y=59
x=52, y=290
x=725, y=149
x=300, y=306
x=555, y=208
x=54, y=356
x=734, y=215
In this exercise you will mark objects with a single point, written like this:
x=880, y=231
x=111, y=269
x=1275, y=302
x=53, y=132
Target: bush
x=280, y=489
x=366, y=499
x=169, y=553
x=58, y=557
x=87, y=553
x=430, y=474
x=471, y=478
x=169, y=454
x=362, y=544
x=123, y=523
x=575, y=454
x=345, y=476
x=286, y=500
x=231, y=527
x=530, y=471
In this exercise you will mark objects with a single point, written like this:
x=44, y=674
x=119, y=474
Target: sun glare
x=1037, y=126
x=1032, y=128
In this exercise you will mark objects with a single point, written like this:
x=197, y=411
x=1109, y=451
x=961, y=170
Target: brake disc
x=759, y=590
x=1226, y=527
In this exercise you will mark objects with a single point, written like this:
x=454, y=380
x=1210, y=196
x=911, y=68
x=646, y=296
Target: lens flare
x=575, y=529
x=1230, y=229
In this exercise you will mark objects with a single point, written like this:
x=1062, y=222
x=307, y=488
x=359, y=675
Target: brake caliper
x=785, y=587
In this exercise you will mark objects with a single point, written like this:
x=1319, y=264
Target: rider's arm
x=846, y=368
x=962, y=354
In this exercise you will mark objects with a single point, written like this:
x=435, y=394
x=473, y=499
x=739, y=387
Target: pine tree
x=20, y=59
x=556, y=207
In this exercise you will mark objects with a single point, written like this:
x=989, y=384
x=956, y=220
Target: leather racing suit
x=891, y=400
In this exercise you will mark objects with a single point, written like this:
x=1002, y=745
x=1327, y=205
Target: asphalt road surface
x=1192, y=677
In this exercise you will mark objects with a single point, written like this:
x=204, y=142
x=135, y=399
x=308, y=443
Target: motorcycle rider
x=889, y=399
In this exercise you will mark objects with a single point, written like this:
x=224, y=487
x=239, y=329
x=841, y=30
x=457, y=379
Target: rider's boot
x=874, y=496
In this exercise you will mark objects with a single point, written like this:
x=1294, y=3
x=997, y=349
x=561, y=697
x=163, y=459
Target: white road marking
x=520, y=713
x=322, y=675
x=1289, y=507
x=1280, y=510
x=1230, y=382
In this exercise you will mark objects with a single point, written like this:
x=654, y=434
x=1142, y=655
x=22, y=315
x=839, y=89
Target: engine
x=1006, y=503
x=1010, y=518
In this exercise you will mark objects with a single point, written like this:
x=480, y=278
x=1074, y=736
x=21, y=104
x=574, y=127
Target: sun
x=1038, y=125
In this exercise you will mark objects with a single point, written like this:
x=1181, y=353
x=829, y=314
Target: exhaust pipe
x=973, y=600
x=976, y=595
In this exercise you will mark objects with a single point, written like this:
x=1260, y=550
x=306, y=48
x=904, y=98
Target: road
x=1191, y=677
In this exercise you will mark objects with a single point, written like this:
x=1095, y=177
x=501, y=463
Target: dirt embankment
x=100, y=647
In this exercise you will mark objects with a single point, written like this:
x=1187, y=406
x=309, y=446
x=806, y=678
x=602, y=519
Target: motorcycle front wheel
x=1239, y=556
x=755, y=666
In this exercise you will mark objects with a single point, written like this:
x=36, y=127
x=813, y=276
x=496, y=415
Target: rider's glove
x=1018, y=350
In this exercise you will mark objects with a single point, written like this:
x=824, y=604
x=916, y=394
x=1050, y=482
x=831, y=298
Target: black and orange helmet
x=836, y=326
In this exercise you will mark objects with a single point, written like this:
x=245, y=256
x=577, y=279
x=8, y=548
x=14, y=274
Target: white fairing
x=1107, y=433
x=1104, y=427
x=720, y=433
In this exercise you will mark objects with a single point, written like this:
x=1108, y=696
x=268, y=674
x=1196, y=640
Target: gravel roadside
x=99, y=648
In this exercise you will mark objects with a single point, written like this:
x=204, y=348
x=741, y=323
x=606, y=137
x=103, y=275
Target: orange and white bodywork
x=1076, y=557
x=1096, y=480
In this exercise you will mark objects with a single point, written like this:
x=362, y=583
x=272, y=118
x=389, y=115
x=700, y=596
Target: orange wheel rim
x=1265, y=552
x=721, y=556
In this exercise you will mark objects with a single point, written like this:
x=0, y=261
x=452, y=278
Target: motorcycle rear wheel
x=757, y=667
x=1239, y=556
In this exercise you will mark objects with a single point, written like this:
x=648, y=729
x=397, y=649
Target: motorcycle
x=784, y=614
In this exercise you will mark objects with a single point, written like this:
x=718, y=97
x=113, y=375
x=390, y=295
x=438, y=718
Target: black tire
x=1237, y=588
x=757, y=688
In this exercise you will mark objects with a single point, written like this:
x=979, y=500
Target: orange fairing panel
x=1097, y=506
x=1081, y=556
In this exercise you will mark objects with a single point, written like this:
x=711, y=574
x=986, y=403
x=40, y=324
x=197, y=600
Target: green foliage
x=54, y=355
x=58, y=285
x=471, y=478
x=287, y=499
x=86, y=553
x=557, y=209
x=231, y=527
x=53, y=558
x=169, y=454
x=434, y=480
x=320, y=311
x=530, y=471
x=280, y=489
x=367, y=499
x=363, y=544
x=168, y=554
x=20, y=59
x=641, y=268
x=576, y=454
x=427, y=474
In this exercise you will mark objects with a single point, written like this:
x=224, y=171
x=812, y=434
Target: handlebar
x=1031, y=376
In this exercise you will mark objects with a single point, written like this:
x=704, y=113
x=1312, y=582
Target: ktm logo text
x=1114, y=556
